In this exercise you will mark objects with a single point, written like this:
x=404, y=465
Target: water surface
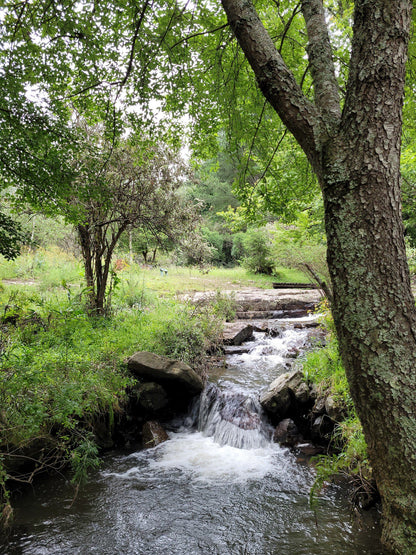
x=218, y=486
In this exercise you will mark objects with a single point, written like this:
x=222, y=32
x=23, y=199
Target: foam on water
x=267, y=358
x=207, y=461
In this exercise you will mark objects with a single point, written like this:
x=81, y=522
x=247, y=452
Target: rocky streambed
x=218, y=476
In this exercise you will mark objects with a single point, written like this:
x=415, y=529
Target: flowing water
x=218, y=486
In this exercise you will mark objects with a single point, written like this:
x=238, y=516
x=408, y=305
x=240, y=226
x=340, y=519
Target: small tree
x=144, y=242
x=258, y=255
x=133, y=185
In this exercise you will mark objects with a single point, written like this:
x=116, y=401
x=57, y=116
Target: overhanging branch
x=275, y=80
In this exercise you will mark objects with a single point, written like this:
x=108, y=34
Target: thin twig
x=199, y=34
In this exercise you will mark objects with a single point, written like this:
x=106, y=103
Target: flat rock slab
x=236, y=349
x=257, y=299
x=276, y=327
x=236, y=332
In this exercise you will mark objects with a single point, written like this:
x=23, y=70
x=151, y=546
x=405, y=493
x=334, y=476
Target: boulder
x=287, y=433
x=165, y=371
x=153, y=434
x=283, y=392
x=152, y=397
x=335, y=408
x=237, y=332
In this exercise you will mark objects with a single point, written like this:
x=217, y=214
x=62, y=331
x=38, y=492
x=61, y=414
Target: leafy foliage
x=257, y=250
x=11, y=237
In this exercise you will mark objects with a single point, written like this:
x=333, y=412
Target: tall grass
x=61, y=370
x=325, y=369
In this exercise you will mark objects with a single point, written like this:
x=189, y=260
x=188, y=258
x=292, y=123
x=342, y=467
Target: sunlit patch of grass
x=179, y=280
x=48, y=268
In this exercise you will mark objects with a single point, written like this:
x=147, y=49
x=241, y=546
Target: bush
x=257, y=247
x=183, y=331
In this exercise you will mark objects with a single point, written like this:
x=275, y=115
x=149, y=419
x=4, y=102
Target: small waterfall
x=219, y=485
x=231, y=418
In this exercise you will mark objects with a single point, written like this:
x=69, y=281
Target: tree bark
x=356, y=157
x=87, y=257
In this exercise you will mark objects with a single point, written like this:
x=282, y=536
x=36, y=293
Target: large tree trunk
x=356, y=158
x=373, y=307
x=375, y=319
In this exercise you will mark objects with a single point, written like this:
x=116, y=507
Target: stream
x=218, y=486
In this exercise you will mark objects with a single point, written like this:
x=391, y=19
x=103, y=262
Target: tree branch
x=133, y=43
x=276, y=81
x=322, y=284
x=287, y=26
x=210, y=31
x=321, y=63
x=253, y=139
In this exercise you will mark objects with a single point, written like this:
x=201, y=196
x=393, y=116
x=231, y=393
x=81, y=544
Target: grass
x=61, y=370
x=324, y=368
x=46, y=267
x=180, y=280
x=51, y=269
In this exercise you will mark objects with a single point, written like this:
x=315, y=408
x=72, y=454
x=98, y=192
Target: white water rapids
x=218, y=486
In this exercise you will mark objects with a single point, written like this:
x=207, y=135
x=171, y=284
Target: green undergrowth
x=61, y=371
x=50, y=270
x=323, y=367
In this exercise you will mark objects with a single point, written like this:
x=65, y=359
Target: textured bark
x=356, y=158
x=321, y=64
x=373, y=304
